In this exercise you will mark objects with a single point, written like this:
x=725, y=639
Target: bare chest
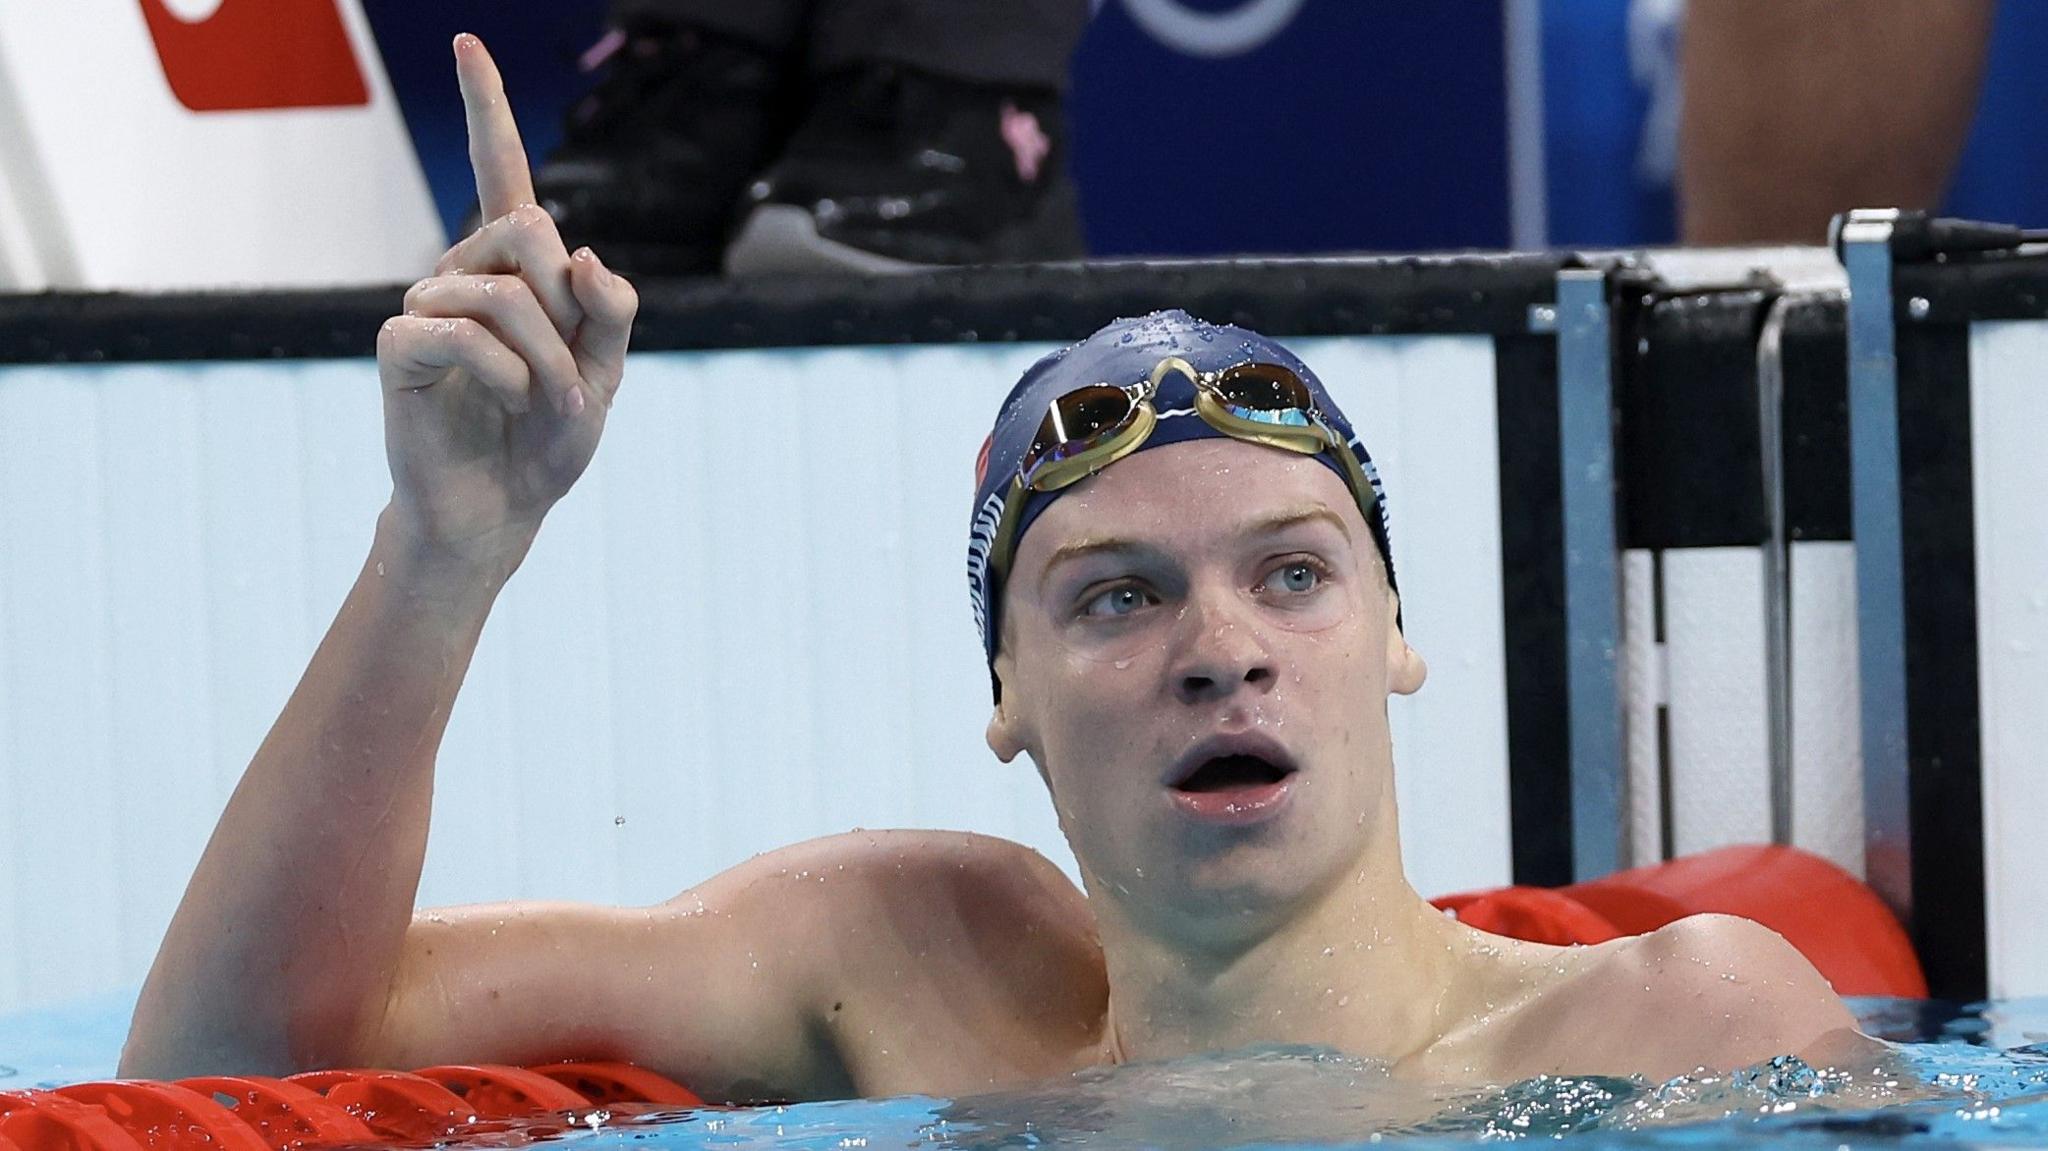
x=955, y=1037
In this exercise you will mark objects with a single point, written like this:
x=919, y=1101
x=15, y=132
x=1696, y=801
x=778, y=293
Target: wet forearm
x=282, y=953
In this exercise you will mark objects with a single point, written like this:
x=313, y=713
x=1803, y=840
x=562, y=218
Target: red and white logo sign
x=237, y=55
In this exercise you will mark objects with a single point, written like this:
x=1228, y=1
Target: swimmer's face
x=1205, y=597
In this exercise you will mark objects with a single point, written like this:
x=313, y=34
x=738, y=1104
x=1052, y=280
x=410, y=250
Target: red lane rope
x=54, y=1123
x=316, y=1109
x=603, y=1083
x=284, y=1114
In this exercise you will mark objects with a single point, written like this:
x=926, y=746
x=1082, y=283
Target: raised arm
x=285, y=951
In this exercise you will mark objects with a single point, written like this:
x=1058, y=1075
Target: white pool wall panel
x=1827, y=734
x=1705, y=678
x=677, y=679
x=2009, y=478
x=1643, y=700
x=1714, y=660
x=1438, y=454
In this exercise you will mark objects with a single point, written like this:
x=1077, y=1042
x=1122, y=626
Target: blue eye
x=1117, y=602
x=1296, y=578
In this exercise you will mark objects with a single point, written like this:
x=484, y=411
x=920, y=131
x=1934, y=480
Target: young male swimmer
x=1192, y=621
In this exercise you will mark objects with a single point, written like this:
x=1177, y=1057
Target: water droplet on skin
x=380, y=567
x=1124, y=664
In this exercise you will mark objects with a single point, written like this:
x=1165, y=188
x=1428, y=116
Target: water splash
x=1307, y=1096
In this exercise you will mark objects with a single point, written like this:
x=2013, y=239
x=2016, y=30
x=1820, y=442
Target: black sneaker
x=654, y=160
x=897, y=170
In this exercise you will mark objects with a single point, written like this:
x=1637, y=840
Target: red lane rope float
x=393, y=1104
x=284, y=1114
x=40, y=1121
x=316, y=1109
x=1837, y=922
x=504, y=1092
x=167, y=1117
x=604, y=1083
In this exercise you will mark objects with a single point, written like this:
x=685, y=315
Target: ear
x=1405, y=666
x=1005, y=735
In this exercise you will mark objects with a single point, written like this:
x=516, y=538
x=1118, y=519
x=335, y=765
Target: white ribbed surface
x=1642, y=698
x=1827, y=739
x=721, y=642
x=2008, y=425
x=1709, y=674
x=1714, y=650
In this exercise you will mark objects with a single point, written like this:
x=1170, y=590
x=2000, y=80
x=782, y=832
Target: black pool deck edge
x=1488, y=294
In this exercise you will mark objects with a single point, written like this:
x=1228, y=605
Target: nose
x=1217, y=653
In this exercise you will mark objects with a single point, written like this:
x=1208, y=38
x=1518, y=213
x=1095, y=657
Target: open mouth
x=1233, y=773
x=1232, y=780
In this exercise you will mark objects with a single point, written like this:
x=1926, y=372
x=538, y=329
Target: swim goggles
x=1092, y=427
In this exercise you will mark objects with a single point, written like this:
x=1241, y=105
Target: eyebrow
x=1296, y=517
x=1269, y=525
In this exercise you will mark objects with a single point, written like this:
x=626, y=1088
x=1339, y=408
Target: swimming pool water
x=1972, y=1076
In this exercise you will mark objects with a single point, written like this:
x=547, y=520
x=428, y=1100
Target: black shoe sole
x=783, y=240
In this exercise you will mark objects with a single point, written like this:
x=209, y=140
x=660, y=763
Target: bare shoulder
x=930, y=874
x=1714, y=991
x=925, y=960
x=958, y=904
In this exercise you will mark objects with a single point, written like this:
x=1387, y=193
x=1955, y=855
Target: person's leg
x=692, y=100
x=773, y=25
x=1013, y=42
x=1795, y=110
x=933, y=133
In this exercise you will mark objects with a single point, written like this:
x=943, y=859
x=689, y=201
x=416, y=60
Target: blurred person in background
x=1795, y=110
x=822, y=135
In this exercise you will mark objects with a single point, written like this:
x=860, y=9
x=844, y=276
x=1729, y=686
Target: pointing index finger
x=503, y=180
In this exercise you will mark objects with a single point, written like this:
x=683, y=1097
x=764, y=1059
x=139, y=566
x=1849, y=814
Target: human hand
x=498, y=376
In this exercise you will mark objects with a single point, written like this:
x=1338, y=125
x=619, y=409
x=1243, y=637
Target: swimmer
x=1193, y=628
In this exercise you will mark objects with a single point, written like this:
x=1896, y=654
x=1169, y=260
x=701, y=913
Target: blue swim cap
x=1122, y=353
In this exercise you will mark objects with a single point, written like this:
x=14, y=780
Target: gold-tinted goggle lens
x=1268, y=399
x=1076, y=422
x=1266, y=393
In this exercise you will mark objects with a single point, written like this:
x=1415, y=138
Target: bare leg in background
x=1797, y=109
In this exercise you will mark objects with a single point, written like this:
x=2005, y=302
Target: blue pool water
x=1958, y=1077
